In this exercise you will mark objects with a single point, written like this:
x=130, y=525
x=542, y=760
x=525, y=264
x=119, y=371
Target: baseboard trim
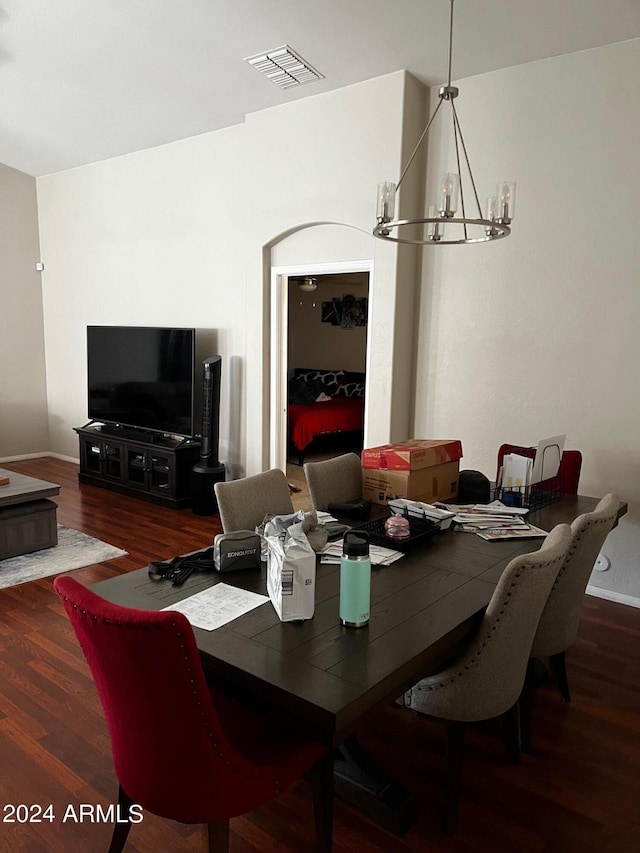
x=610, y=595
x=23, y=456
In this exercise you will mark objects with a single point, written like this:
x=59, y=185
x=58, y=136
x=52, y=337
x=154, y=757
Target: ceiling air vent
x=284, y=67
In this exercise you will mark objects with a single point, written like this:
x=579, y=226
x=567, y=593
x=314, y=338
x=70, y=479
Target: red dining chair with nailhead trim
x=180, y=749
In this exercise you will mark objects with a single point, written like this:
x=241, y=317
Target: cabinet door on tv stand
x=102, y=458
x=162, y=473
x=136, y=469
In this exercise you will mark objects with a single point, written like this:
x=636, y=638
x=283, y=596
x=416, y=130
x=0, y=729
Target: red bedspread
x=338, y=413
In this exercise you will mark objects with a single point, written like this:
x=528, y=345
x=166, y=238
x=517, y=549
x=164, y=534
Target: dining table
x=327, y=678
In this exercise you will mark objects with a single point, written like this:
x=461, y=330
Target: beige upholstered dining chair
x=244, y=503
x=558, y=626
x=487, y=679
x=337, y=480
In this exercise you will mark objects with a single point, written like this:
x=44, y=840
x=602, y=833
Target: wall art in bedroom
x=345, y=311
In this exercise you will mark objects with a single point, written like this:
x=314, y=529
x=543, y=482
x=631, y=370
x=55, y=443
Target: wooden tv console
x=157, y=470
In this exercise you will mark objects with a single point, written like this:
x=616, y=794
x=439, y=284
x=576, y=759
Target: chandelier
x=499, y=209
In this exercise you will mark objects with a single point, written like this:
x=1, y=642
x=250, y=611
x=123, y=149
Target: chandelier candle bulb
x=386, y=201
x=435, y=229
x=449, y=188
x=507, y=195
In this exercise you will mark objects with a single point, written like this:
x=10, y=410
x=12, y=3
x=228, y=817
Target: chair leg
x=510, y=725
x=121, y=830
x=559, y=670
x=321, y=778
x=218, y=836
x=455, y=741
x=526, y=705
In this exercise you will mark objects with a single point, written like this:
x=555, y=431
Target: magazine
x=496, y=534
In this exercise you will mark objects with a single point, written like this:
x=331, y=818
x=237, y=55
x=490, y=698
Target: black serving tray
x=419, y=531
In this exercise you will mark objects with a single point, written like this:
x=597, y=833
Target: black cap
x=356, y=544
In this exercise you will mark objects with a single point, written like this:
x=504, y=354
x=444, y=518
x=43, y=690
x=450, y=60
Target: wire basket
x=531, y=497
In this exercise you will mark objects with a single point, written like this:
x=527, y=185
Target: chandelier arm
x=466, y=157
x=455, y=137
x=415, y=150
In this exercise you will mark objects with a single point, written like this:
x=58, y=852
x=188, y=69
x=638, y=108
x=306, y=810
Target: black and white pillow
x=352, y=385
x=329, y=380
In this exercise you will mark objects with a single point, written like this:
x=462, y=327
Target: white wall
x=23, y=400
x=182, y=235
x=154, y=238
x=539, y=334
x=313, y=343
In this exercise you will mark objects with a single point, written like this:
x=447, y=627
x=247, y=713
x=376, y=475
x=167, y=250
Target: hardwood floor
x=578, y=791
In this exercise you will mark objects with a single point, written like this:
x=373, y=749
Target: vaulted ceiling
x=85, y=80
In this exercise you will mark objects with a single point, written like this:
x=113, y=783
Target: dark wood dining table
x=327, y=677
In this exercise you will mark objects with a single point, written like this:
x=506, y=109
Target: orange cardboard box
x=435, y=483
x=412, y=455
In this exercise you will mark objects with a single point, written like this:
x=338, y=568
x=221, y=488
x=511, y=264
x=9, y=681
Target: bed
x=322, y=403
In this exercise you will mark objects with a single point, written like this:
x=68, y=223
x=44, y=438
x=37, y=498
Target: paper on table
x=332, y=552
x=516, y=471
x=548, y=457
x=217, y=605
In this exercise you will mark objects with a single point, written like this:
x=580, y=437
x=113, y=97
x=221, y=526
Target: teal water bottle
x=355, y=580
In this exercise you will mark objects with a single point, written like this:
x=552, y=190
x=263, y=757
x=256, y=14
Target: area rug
x=73, y=551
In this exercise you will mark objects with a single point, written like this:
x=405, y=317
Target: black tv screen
x=141, y=377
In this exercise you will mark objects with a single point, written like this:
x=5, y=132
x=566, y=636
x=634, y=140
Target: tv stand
x=150, y=466
x=144, y=435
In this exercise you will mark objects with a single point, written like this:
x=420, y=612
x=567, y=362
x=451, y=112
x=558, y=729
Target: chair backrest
x=568, y=475
x=486, y=681
x=559, y=621
x=337, y=480
x=170, y=751
x=244, y=503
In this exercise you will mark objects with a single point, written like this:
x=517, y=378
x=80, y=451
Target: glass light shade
x=386, y=201
x=491, y=210
x=506, y=194
x=435, y=230
x=449, y=186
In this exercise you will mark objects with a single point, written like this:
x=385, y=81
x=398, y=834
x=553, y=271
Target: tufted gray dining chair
x=337, y=480
x=558, y=626
x=487, y=679
x=244, y=503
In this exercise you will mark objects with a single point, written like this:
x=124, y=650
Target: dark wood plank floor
x=579, y=790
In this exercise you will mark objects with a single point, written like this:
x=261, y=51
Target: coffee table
x=27, y=517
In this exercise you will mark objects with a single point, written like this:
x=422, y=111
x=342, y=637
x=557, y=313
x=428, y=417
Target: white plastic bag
x=291, y=573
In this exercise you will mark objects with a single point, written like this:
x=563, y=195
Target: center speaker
x=208, y=471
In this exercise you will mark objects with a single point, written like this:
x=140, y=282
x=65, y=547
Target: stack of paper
x=495, y=521
x=516, y=472
x=332, y=552
x=417, y=509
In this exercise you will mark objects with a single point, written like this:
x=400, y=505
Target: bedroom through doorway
x=327, y=321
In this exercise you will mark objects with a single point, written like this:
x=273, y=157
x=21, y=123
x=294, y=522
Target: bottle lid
x=355, y=544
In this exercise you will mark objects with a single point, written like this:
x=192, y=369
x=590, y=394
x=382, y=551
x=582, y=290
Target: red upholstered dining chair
x=180, y=749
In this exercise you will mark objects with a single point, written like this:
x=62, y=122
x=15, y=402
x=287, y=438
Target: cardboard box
x=435, y=483
x=412, y=455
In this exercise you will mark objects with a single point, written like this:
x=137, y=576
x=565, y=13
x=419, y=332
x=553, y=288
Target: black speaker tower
x=208, y=471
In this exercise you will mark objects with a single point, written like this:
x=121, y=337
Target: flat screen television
x=140, y=376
